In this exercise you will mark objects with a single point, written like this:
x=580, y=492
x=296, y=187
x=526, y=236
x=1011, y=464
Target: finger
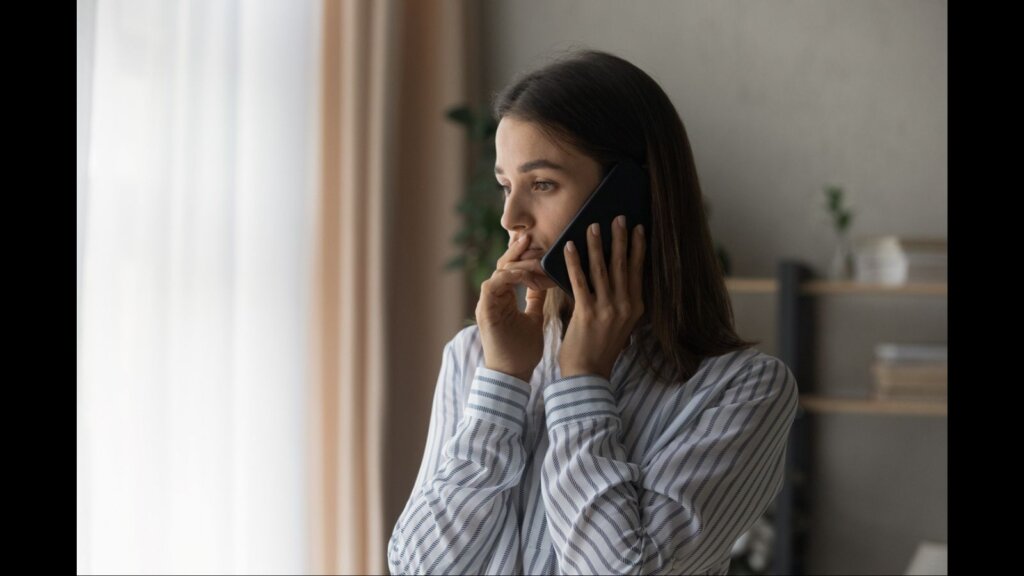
x=535, y=273
x=598, y=274
x=515, y=250
x=536, y=282
x=638, y=248
x=619, y=272
x=580, y=292
x=542, y=282
x=535, y=303
x=501, y=282
x=532, y=266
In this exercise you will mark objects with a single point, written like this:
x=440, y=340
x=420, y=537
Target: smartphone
x=624, y=190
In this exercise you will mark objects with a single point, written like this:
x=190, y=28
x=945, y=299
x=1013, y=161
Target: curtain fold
x=349, y=353
x=393, y=170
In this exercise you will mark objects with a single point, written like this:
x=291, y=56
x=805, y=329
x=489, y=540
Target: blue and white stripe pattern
x=584, y=475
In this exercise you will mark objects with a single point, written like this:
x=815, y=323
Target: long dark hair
x=611, y=110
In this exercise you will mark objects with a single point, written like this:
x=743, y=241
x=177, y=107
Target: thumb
x=535, y=303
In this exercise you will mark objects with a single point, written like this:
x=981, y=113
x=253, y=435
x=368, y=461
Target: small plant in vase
x=842, y=260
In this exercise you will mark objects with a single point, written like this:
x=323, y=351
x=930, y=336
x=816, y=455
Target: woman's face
x=545, y=183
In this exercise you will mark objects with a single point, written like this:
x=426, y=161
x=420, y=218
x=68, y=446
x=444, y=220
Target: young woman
x=627, y=430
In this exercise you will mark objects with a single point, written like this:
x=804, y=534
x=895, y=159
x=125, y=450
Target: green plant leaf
x=460, y=114
x=835, y=197
x=480, y=274
x=484, y=127
x=456, y=262
x=483, y=188
x=481, y=240
x=492, y=128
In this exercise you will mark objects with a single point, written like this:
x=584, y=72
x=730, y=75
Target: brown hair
x=611, y=110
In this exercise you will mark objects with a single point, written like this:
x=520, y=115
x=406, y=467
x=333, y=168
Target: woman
x=624, y=431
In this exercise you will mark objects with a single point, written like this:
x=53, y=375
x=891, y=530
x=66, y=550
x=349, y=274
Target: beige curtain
x=393, y=171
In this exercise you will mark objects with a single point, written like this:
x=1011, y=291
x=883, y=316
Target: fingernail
x=521, y=239
x=620, y=221
x=569, y=246
x=593, y=229
x=640, y=229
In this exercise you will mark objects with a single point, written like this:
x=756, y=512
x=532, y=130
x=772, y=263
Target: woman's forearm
x=453, y=519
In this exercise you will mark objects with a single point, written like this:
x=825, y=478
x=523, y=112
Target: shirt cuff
x=577, y=398
x=499, y=398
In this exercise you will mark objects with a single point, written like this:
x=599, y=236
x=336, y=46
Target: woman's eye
x=544, y=186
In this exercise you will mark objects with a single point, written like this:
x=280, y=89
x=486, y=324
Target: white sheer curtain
x=198, y=163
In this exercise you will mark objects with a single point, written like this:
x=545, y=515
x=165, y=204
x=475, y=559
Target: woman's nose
x=515, y=214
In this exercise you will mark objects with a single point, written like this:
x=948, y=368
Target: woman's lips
x=532, y=254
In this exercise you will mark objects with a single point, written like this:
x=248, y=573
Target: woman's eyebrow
x=533, y=165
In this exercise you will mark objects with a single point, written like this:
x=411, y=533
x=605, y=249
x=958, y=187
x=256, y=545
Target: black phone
x=624, y=190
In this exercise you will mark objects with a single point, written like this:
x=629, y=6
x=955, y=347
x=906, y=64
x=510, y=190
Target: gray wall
x=779, y=98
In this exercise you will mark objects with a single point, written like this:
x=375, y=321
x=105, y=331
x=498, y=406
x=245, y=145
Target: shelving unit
x=796, y=289
x=751, y=285
x=826, y=405
x=829, y=404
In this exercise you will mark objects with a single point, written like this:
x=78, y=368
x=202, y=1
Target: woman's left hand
x=601, y=323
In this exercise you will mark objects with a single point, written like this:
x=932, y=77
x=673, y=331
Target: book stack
x=889, y=259
x=929, y=558
x=910, y=371
x=926, y=259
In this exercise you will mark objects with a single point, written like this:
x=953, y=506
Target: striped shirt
x=583, y=475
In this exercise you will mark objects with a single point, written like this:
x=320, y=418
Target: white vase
x=880, y=259
x=842, y=259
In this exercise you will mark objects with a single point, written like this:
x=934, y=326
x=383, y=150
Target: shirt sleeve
x=682, y=509
x=462, y=501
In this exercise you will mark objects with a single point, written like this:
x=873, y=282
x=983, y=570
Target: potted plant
x=842, y=260
x=481, y=240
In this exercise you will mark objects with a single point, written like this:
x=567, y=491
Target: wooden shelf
x=751, y=285
x=795, y=291
x=832, y=404
x=754, y=285
x=834, y=287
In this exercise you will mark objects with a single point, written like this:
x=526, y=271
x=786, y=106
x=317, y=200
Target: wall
x=780, y=98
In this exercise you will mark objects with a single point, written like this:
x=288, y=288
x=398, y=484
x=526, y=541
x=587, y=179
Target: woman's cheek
x=559, y=227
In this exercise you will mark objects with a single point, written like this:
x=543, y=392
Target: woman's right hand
x=513, y=340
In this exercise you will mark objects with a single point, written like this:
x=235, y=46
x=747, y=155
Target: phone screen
x=624, y=190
